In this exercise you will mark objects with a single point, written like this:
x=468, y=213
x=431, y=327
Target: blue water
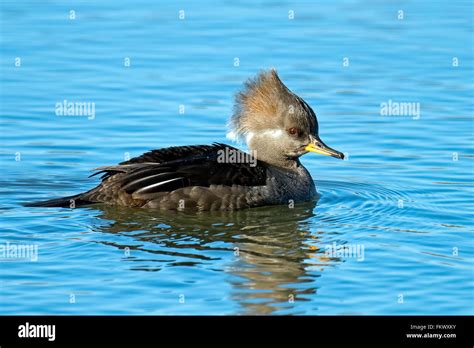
x=405, y=194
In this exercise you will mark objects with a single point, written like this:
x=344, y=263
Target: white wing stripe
x=142, y=179
x=156, y=185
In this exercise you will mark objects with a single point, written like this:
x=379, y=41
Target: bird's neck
x=276, y=159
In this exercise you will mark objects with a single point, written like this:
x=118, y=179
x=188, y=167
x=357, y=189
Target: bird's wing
x=175, y=152
x=172, y=168
x=156, y=157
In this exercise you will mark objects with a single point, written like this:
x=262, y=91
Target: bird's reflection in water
x=272, y=254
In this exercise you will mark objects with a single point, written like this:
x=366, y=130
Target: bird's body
x=191, y=177
x=219, y=176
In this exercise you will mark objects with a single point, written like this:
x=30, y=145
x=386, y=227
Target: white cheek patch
x=274, y=133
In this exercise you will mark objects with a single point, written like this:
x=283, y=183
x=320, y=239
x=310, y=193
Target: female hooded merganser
x=278, y=127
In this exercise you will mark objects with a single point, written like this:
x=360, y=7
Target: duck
x=278, y=128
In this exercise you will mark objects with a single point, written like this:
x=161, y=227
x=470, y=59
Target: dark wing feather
x=159, y=156
x=172, y=168
x=173, y=153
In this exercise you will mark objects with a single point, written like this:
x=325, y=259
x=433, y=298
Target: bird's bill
x=317, y=146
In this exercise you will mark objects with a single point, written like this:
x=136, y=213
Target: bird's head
x=275, y=122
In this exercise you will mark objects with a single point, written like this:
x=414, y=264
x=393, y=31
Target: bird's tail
x=64, y=202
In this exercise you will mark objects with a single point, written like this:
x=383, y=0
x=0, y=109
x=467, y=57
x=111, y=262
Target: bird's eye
x=294, y=131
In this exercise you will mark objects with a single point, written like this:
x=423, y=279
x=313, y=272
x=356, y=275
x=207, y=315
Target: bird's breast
x=288, y=186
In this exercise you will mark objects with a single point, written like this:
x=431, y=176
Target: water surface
x=404, y=195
